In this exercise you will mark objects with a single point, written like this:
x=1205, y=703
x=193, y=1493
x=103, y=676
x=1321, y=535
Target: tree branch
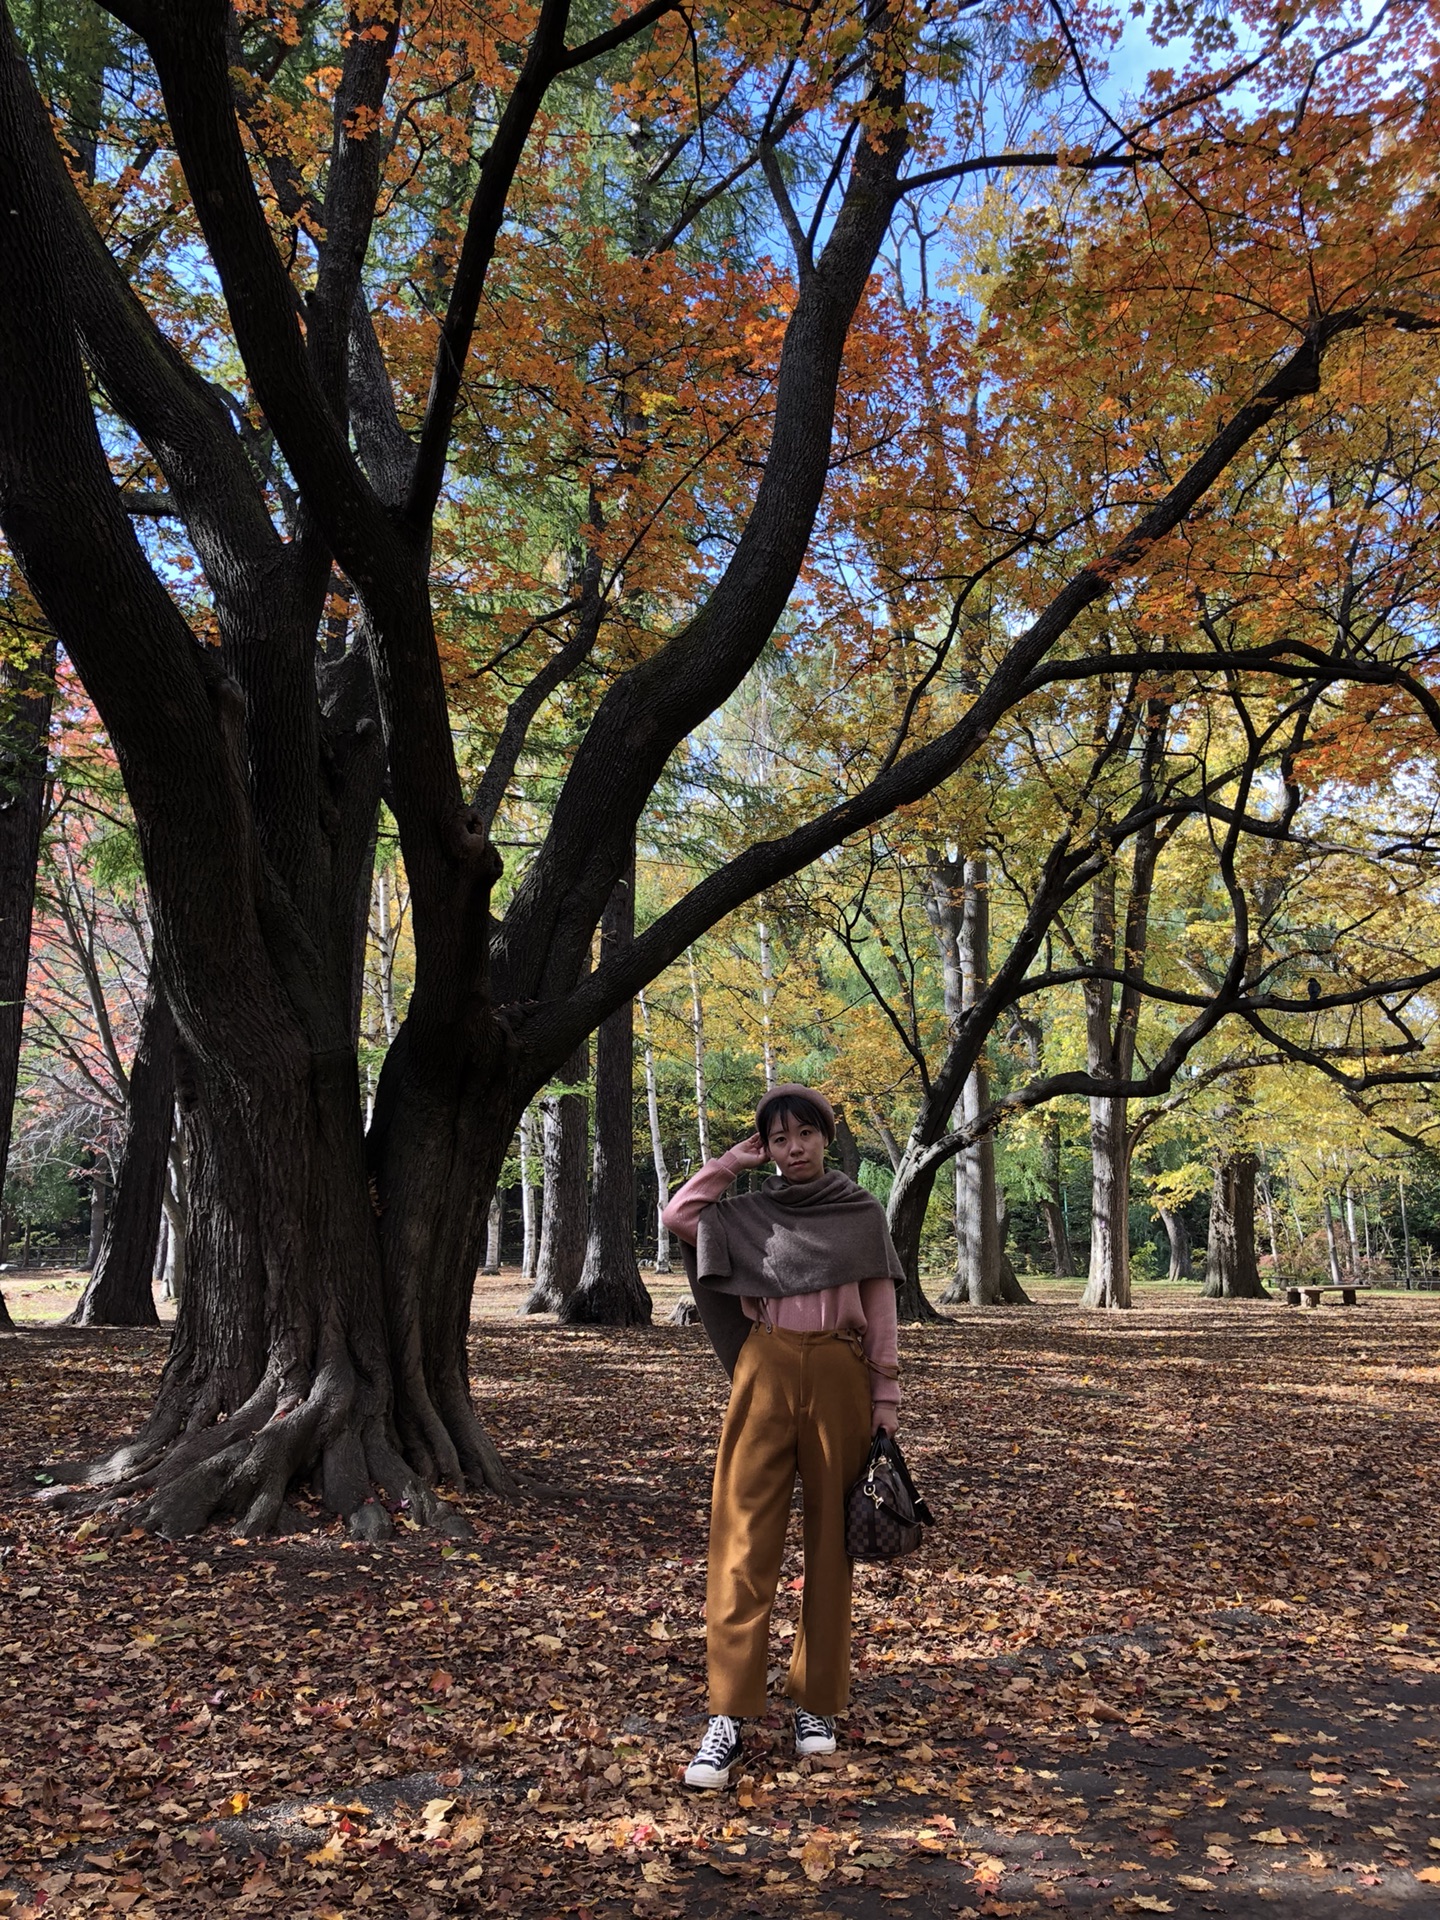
x=920, y=771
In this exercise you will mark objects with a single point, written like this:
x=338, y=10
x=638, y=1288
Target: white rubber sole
x=816, y=1743
x=700, y=1774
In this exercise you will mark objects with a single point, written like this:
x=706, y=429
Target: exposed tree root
x=176, y=1477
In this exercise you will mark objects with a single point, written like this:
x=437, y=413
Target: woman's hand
x=750, y=1152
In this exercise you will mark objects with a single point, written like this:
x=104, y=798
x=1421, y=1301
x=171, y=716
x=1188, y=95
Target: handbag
x=884, y=1515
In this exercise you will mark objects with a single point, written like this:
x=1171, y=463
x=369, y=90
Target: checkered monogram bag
x=884, y=1515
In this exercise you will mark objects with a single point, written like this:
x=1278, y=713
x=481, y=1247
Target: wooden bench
x=1310, y=1296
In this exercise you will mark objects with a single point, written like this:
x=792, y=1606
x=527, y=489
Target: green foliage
x=876, y=1179
x=48, y=1195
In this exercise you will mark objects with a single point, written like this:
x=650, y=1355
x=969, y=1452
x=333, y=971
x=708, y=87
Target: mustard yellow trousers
x=799, y=1402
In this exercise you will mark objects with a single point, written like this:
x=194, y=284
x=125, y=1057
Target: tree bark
x=908, y=1203
x=99, y=1194
x=611, y=1292
x=847, y=1149
x=657, y=1144
x=563, y=1210
x=121, y=1288
x=1178, y=1234
x=1109, y=1281
x=26, y=695
x=1231, y=1269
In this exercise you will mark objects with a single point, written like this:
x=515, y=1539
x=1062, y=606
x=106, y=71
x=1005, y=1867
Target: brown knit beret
x=817, y=1100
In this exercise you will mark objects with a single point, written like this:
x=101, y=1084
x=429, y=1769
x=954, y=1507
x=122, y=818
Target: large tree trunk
x=563, y=1211
x=1109, y=1281
x=1178, y=1234
x=847, y=1148
x=121, y=1288
x=26, y=694
x=1231, y=1269
x=909, y=1199
x=611, y=1292
x=281, y=1335
x=99, y=1197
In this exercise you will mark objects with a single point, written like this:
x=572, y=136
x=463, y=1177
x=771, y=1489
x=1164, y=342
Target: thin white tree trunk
x=1269, y=1199
x=887, y=1137
x=1331, y=1242
x=978, y=1272
x=958, y=907
x=177, y=1217
x=657, y=1145
x=494, y=1226
x=529, y=1226
x=767, y=1001
x=385, y=944
x=162, y=1254
x=1352, y=1239
x=697, y=1034
x=1107, y=1054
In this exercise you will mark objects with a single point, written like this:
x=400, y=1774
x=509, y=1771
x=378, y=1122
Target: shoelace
x=810, y=1724
x=719, y=1738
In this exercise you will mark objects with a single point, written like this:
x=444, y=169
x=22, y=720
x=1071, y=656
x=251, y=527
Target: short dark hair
x=791, y=1106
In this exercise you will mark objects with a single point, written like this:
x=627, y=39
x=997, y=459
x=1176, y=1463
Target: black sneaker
x=813, y=1734
x=719, y=1751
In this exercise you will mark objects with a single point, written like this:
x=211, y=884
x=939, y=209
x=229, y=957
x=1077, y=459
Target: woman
x=796, y=1289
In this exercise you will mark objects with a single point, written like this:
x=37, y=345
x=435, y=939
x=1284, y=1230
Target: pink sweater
x=868, y=1306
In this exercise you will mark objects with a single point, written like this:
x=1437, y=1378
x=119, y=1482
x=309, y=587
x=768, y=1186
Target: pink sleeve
x=701, y=1190
x=881, y=1344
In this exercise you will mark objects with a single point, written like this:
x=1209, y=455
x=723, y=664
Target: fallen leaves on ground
x=1173, y=1649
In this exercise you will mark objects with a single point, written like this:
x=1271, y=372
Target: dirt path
x=1174, y=1649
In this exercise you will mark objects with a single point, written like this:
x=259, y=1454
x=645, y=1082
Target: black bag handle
x=886, y=1446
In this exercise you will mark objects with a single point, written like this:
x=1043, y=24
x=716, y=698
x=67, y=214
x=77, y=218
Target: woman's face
x=797, y=1150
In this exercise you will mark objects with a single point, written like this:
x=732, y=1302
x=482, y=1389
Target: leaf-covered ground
x=1173, y=1649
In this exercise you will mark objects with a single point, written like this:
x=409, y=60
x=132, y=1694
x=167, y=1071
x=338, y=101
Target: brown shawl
x=784, y=1240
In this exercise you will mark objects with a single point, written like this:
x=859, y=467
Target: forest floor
x=1172, y=1649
